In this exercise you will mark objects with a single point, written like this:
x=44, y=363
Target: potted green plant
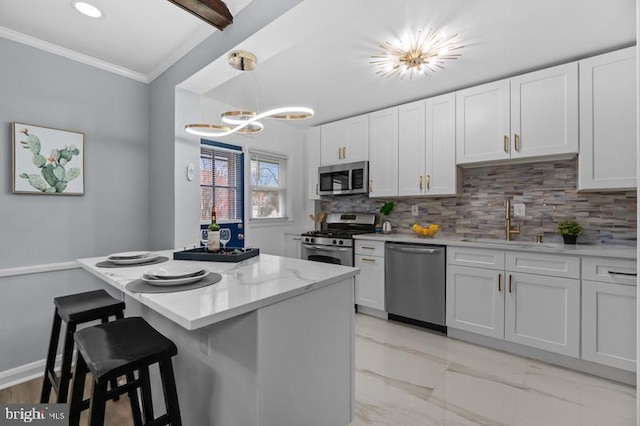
x=385, y=211
x=570, y=230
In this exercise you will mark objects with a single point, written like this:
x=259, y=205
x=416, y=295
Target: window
x=220, y=183
x=268, y=186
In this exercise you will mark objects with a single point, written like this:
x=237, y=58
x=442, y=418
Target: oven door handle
x=326, y=248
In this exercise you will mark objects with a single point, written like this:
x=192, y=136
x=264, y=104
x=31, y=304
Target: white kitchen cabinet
x=475, y=300
x=528, y=116
x=609, y=312
x=411, y=148
x=345, y=141
x=426, y=147
x=442, y=174
x=482, y=123
x=369, y=287
x=544, y=112
x=608, y=121
x=312, y=144
x=383, y=153
x=293, y=246
x=543, y=312
x=488, y=294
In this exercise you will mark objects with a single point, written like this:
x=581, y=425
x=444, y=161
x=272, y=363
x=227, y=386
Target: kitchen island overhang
x=272, y=343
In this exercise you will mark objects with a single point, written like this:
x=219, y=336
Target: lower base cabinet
x=536, y=310
x=475, y=301
x=543, y=312
x=609, y=324
x=369, y=291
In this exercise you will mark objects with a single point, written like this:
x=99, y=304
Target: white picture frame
x=47, y=161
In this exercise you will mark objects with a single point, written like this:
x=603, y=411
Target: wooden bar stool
x=122, y=348
x=74, y=309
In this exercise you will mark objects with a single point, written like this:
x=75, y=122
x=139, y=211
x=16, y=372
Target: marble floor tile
x=410, y=376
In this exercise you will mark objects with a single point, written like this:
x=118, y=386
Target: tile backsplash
x=547, y=189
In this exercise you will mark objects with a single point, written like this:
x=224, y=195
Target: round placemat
x=139, y=286
x=108, y=264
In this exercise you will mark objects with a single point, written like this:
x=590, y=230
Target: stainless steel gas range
x=334, y=244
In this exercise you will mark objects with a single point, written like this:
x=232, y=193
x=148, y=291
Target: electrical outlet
x=414, y=210
x=518, y=210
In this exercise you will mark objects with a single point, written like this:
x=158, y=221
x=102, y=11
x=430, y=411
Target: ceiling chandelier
x=419, y=54
x=247, y=122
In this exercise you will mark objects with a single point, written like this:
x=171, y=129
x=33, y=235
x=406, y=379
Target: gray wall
x=112, y=111
x=44, y=89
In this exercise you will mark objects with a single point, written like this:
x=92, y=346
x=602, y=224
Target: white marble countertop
x=245, y=286
x=603, y=250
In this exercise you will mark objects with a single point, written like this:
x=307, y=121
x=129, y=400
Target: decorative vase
x=570, y=239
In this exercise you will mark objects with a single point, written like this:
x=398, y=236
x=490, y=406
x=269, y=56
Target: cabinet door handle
x=367, y=247
x=510, y=279
x=626, y=274
x=516, y=142
x=344, y=152
x=340, y=153
x=499, y=282
x=366, y=259
x=370, y=185
x=421, y=183
x=428, y=181
x=506, y=143
x=317, y=188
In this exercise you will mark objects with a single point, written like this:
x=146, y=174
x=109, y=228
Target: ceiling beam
x=214, y=12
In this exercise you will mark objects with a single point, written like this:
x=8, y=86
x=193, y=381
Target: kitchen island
x=272, y=343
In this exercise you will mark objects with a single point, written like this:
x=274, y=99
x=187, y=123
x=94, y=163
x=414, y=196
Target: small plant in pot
x=570, y=230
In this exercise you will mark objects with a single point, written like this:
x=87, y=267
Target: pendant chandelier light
x=420, y=54
x=241, y=121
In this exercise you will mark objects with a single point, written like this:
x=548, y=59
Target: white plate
x=176, y=281
x=129, y=255
x=175, y=271
x=135, y=260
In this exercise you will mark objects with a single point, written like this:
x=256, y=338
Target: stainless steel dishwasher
x=415, y=284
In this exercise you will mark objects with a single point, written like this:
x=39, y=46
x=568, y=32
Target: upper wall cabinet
x=383, y=153
x=345, y=141
x=531, y=115
x=427, y=147
x=312, y=146
x=608, y=120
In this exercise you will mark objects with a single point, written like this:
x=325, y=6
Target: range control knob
x=312, y=240
x=335, y=242
x=341, y=242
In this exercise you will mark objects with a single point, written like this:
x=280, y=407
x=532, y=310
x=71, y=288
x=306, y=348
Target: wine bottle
x=213, y=244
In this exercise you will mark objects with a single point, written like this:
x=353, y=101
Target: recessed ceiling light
x=87, y=9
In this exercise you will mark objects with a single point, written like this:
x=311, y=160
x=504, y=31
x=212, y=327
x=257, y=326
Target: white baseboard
x=24, y=373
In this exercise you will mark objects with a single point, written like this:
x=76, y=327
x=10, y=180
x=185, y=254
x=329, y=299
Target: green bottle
x=213, y=243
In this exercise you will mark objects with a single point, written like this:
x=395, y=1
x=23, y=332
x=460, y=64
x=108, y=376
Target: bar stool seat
x=122, y=348
x=74, y=309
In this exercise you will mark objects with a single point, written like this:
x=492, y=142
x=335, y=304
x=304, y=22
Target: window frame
x=282, y=189
x=239, y=187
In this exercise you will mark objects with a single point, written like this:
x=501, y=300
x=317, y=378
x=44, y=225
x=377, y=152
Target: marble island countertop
x=245, y=286
x=603, y=250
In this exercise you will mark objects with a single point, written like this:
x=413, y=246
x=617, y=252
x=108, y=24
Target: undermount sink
x=511, y=243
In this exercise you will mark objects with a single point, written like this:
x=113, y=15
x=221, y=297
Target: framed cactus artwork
x=47, y=161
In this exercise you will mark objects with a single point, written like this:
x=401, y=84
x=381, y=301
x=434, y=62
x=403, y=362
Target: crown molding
x=71, y=54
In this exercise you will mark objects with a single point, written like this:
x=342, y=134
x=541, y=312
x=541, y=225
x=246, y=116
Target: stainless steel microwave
x=343, y=179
